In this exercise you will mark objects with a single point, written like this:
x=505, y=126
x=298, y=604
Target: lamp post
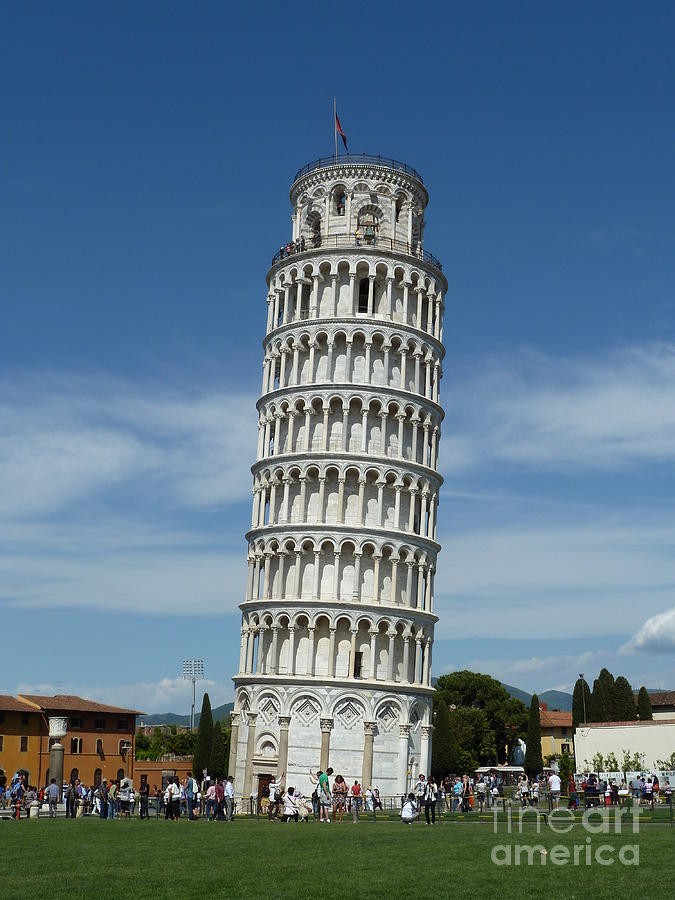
x=583, y=694
x=193, y=670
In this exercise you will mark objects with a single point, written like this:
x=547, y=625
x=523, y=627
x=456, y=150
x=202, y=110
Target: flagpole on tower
x=335, y=125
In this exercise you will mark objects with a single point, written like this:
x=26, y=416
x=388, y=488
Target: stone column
x=282, y=764
x=341, y=501
x=406, y=658
x=404, y=735
x=310, y=652
x=390, y=655
x=336, y=578
x=362, y=494
x=417, y=677
x=425, y=753
x=326, y=728
x=274, y=651
x=250, y=750
x=373, y=654
x=234, y=739
x=58, y=727
x=367, y=771
x=371, y=293
x=368, y=349
x=291, y=650
x=352, y=652
x=331, y=653
x=394, y=576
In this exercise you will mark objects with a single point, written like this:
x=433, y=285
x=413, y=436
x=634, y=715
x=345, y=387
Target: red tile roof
x=663, y=698
x=553, y=718
x=12, y=704
x=69, y=702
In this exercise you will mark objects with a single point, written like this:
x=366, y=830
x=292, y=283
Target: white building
x=655, y=738
x=338, y=621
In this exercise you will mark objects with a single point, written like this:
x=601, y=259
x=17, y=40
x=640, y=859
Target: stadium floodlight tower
x=193, y=670
x=338, y=620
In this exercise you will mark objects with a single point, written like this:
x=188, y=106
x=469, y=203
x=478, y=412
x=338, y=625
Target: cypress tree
x=202, y=757
x=602, y=698
x=644, y=706
x=533, y=762
x=444, y=746
x=624, y=701
x=581, y=702
x=219, y=752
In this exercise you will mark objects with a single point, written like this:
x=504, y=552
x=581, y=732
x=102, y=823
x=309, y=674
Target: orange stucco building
x=100, y=741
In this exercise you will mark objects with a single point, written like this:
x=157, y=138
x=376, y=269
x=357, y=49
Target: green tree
x=444, y=746
x=611, y=763
x=533, y=762
x=566, y=763
x=666, y=764
x=219, y=752
x=202, y=755
x=644, y=705
x=506, y=716
x=581, y=702
x=475, y=740
x=624, y=702
x=602, y=697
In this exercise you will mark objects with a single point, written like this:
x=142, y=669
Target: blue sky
x=147, y=154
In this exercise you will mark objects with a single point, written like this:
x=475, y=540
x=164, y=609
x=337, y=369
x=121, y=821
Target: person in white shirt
x=290, y=805
x=229, y=798
x=410, y=811
x=275, y=796
x=554, y=787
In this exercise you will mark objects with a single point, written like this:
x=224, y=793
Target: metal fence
x=348, y=241
x=356, y=159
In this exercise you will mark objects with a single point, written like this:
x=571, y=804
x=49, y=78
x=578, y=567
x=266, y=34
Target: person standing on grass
x=112, y=799
x=210, y=802
x=190, y=793
x=554, y=787
x=144, y=795
x=275, y=796
x=430, y=800
x=229, y=798
x=52, y=795
x=420, y=788
x=356, y=801
x=174, y=798
x=339, y=797
x=325, y=799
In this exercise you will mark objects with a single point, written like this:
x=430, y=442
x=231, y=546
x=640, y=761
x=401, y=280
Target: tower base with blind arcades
x=338, y=621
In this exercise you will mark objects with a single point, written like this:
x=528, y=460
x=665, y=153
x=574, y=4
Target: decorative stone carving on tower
x=338, y=620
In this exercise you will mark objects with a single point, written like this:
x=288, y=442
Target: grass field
x=257, y=858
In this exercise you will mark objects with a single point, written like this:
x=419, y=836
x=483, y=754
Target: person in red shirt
x=356, y=801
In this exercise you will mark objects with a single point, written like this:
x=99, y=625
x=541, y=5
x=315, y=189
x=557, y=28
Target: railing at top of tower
x=353, y=159
x=340, y=241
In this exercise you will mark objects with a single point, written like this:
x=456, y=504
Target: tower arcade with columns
x=338, y=620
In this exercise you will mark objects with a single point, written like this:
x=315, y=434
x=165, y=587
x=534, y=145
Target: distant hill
x=169, y=718
x=518, y=694
x=553, y=699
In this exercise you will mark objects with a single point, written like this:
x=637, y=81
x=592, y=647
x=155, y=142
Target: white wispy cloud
x=656, y=635
x=593, y=413
x=65, y=438
x=99, y=479
x=554, y=578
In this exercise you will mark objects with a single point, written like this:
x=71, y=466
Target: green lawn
x=94, y=858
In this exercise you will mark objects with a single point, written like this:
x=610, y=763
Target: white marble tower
x=338, y=620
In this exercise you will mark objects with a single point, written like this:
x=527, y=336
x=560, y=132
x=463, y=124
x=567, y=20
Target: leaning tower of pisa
x=338, y=619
